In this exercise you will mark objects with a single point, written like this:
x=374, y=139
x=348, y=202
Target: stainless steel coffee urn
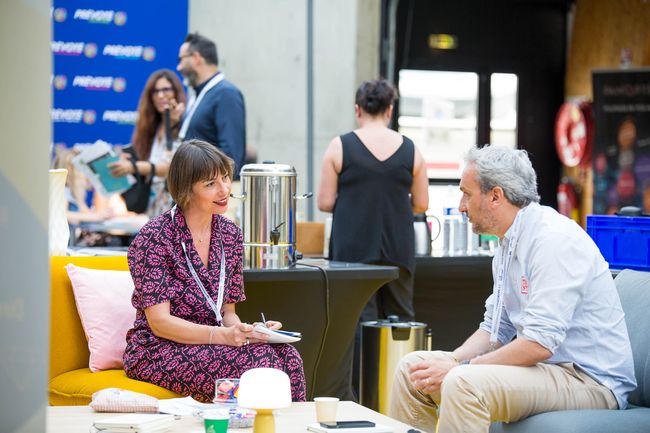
x=269, y=215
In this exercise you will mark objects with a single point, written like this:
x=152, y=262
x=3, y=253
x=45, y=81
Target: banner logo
x=61, y=115
x=129, y=52
x=119, y=84
x=89, y=82
x=94, y=16
x=89, y=117
x=60, y=82
x=60, y=14
x=120, y=117
x=149, y=54
x=120, y=18
x=98, y=16
x=67, y=48
x=90, y=50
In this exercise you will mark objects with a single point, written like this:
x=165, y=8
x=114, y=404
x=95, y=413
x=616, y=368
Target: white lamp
x=264, y=389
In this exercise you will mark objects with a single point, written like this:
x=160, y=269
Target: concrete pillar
x=25, y=34
x=262, y=48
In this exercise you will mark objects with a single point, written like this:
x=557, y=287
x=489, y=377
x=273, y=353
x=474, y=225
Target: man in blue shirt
x=553, y=291
x=216, y=112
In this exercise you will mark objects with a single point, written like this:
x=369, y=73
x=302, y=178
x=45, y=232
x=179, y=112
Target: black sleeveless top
x=373, y=217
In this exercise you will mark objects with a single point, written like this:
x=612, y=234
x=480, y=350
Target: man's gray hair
x=507, y=168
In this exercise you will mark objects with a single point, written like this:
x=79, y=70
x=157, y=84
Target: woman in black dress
x=373, y=179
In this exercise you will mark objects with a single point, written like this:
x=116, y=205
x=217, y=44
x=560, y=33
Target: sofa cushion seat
x=76, y=387
x=71, y=381
x=572, y=421
x=634, y=291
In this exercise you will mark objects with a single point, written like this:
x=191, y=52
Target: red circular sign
x=573, y=133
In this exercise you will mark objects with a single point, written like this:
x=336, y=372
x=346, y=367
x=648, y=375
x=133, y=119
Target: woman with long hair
x=151, y=150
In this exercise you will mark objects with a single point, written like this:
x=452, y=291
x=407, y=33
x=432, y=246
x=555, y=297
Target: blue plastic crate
x=624, y=241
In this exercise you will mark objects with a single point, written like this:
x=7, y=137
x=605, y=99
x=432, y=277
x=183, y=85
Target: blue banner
x=103, y=53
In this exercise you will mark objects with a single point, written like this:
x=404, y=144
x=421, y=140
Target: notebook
x=279, y=336
x=135, y=423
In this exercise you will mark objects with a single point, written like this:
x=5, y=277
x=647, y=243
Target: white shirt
x=160, y=154
x=559, y=293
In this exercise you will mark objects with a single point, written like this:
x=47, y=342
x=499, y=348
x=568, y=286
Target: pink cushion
x=103, y=300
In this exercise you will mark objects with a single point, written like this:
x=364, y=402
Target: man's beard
x=487, y=224
x=191, y=76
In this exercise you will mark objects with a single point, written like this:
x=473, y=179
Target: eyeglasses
x=154, y=92
x=180, y=58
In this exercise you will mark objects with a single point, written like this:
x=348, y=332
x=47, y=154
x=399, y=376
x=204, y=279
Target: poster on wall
x=102, y=54
x=621, y=158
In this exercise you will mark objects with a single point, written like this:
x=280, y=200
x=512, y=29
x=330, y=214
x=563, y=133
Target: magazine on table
x=135, y=423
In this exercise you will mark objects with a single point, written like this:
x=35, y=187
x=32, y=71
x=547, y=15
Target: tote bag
x=137, y=197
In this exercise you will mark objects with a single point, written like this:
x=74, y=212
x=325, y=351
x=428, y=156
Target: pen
x=263, y=318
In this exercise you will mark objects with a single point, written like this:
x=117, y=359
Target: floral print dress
x=160, y=274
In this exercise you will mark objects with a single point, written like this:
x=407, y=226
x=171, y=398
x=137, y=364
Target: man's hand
x=427, y=376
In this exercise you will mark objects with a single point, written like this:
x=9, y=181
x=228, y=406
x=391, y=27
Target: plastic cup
x=216, y=421
x=326, y=409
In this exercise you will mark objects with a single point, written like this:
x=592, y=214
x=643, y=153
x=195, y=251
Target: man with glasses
x=216, y=112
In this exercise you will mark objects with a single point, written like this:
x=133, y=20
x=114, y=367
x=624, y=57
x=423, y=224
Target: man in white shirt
x=553, y=291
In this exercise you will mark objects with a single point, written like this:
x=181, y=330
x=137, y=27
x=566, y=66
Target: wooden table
x=79, y=419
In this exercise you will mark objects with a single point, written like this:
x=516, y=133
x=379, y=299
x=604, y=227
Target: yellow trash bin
x=383, y=344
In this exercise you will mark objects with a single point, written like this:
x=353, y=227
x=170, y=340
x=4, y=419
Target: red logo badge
x=524, y=285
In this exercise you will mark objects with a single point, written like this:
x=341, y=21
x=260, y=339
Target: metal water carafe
x=422, y=235
x=269, y=215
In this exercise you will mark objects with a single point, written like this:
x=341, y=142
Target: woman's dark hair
x=195, y=161
x=148, y=117
x=375, y=96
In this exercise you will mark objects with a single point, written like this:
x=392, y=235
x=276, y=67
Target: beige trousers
x=473, y=396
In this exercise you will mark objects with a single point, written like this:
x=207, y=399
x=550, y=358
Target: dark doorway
x=522, y=37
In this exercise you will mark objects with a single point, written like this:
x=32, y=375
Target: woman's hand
x=120, y=168
x=272, y=324
x=176, y=110
x=240, y=334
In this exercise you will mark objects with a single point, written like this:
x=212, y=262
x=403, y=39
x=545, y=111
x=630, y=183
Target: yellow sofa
x=71, y=383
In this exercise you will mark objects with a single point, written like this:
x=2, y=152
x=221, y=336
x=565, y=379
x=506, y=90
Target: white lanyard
x=222, y=277
x=499, y=285
x=193, y=103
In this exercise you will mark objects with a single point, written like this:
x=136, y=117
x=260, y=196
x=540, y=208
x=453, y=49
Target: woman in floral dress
x=182, y=340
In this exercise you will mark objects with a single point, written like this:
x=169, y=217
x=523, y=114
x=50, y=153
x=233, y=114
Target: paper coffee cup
x=326, y=409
